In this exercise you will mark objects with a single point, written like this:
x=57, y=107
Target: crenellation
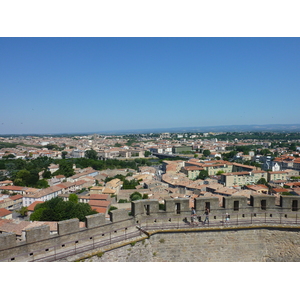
x=235, y=203
x=289, y=203
x=207, y=202
x=7, y=240
x=144, y=207
x=95, y=220
x=68, y=226
x=37, y=233
x=119, y=215
x=221, y=238
x=265, y=202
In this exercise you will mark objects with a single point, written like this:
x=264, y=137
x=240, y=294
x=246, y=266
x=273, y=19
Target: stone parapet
x=39, y=243
x=37, y=233
x=95, y=220
x=68, y=226
x=7, y=240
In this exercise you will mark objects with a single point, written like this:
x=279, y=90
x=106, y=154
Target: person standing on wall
x=226, y=219
x=194, y=216
x=206, y=213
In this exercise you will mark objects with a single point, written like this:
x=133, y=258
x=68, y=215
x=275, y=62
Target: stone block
x=262, y=202
x=119, y=215
x=202, y=202
x=37, y=233
x=144, y=207
x=7, y=240
x=68, y=226
x=95, y=220
x=235, y=203
x=184, y=205
x=290, y=203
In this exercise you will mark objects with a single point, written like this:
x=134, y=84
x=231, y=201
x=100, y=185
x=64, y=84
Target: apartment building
x=212, y=167
x=191, y=172
x=13, y=189
x=42, y=195
x=279, y=175
x=12, y=202
x=242, y=178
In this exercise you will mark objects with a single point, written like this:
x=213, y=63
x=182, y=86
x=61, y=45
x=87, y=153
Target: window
x=263, y=204
x=295, y=205
x=147, y=208
x=236, y=205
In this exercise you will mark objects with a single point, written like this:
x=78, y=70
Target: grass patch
x=100, y=254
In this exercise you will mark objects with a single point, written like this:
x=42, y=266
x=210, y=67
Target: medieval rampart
x=259, y=225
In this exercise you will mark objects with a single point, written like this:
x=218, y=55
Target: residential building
x=53, y=168
x=192, y=172
x=279, y=175
x=5, y=214
x=258, y=188
x=13, y=189
x=12, y=202
x=242, y=178
x=42, y=195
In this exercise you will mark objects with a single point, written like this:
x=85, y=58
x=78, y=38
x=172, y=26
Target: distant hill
x=224, y=128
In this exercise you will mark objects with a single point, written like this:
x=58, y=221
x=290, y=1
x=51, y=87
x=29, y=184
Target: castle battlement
x=145, y=215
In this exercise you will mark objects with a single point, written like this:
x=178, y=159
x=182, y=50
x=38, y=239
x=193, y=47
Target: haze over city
x=67, y=85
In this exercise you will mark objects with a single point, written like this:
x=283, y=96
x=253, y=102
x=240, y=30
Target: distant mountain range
x=224, y=128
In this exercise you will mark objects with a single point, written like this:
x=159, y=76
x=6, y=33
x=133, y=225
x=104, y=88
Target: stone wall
x=195, y=245
x=251, y=245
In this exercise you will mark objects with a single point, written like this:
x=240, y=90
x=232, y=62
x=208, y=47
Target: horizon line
x=148, y=130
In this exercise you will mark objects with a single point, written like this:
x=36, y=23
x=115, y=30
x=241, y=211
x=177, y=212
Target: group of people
x=194, y=216
x=206, y=213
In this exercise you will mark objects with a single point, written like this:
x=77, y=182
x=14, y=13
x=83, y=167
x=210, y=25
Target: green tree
x=147, y=153
x=9, y=156
x=265, y=152
x=65, y=168
x=57, y=209
x=91, y=154
x=22, y=177
x=2, y=176
x=262, y=181
x=202, y=175
x=206, y=153
x=220, y=172
x=293, y=147
x=73, y=198
x=112, y=208
x=63, y=154
x=42, y=184
x=135, y=196
x=23, y=211
x=47, y=174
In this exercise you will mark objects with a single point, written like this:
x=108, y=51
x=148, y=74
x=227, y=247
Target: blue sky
x=59, y=85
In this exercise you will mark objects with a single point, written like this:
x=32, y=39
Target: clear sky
x=59, y=85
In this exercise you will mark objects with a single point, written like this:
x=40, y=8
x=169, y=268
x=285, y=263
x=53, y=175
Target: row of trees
x=26, y=172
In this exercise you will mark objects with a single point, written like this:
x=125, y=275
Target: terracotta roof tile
x=4, y=212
